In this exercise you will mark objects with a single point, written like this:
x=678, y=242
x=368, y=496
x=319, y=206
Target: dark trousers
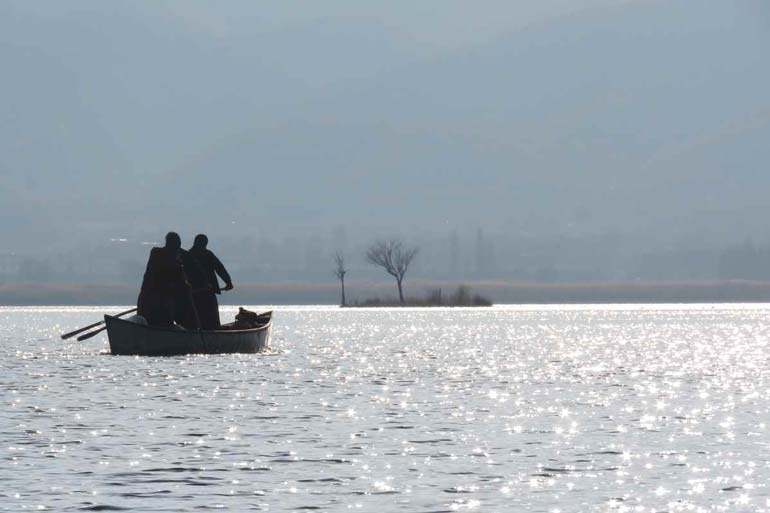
x=208, y=309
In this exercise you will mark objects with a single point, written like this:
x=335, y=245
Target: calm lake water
x=584, y=408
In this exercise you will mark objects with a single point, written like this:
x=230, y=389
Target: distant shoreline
x=396, y=304
x=463, y=296
x=736, y=291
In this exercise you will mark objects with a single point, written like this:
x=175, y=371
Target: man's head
x=173, y=241
x=200, y=241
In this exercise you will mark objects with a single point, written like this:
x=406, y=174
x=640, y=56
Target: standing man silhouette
x=203, y=267
x=165, y=290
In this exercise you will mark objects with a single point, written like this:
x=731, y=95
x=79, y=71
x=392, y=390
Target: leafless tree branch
x=339, y=271
x=394, y=258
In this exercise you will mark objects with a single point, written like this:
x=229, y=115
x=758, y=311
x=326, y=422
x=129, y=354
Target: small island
x=394, y=258
x=462, y=296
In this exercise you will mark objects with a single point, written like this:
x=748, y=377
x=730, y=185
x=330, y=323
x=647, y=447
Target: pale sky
x=551, y=117
x=438, y=23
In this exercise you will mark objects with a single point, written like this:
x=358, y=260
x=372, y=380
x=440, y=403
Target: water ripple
x=601, y=408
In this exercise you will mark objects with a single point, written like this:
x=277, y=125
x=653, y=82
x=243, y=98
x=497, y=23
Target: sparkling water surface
x=559, y=408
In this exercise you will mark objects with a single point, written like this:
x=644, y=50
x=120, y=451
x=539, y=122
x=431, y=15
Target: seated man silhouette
x=203, y=267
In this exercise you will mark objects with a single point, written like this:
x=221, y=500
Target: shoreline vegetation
x=462, y=296
x=498, y=292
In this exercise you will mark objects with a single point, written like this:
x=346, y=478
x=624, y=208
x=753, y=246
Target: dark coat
x=203, y=268
x=164, y=288
x=164, y=273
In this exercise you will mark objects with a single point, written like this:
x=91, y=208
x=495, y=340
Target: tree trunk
x=343, y=291
x=400, y=292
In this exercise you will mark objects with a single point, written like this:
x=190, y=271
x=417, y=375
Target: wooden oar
x=81, y=338
x=81, y=330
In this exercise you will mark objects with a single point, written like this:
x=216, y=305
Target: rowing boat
x=131, y=338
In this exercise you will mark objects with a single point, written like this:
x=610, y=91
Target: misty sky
x=539, y=118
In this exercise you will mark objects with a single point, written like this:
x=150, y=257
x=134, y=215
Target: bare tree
x=394, y=259
x=340, y=271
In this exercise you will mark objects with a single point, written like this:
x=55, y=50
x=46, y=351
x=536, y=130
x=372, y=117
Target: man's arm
x=219, y=268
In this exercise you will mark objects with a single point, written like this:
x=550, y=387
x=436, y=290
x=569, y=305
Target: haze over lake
x=548, y=141
x=602, y=408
